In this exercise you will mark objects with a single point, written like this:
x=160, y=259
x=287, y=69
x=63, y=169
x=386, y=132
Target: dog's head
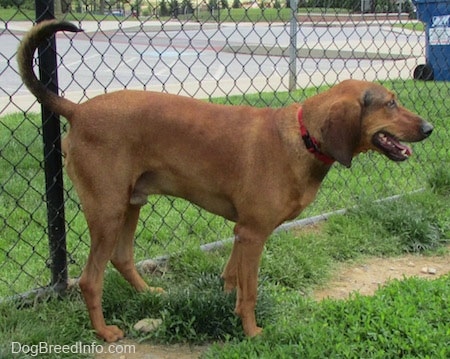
x=365, y=116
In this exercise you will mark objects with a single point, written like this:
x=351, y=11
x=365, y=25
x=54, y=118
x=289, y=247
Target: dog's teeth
x=382, y=137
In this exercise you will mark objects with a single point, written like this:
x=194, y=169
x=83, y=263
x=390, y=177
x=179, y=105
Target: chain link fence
x=267, y=53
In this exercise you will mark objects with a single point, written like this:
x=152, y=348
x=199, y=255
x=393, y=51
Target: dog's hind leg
x=123, y=258
x=104, y=230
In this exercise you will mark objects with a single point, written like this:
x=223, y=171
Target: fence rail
x=212, y=50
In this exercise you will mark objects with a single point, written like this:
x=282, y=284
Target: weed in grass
x=439, y=180
x=296, y=261
x=192, y=261
x=199, y=311
x=412, y=220
x=354, y=235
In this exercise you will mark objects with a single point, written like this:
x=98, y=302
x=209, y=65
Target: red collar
x=311, y=143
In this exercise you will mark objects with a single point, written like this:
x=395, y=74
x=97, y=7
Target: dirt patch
x=366, y=277
x=127, y=349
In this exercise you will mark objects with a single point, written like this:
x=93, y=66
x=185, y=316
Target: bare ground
x=364, y=277
x=367, y=276
x=151, y=351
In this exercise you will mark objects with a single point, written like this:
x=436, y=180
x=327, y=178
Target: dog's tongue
x=403, y=149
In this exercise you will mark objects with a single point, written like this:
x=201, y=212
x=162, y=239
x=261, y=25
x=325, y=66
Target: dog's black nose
x=427, y=128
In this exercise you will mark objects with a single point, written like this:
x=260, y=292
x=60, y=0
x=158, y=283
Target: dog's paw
x=256, y=332
x=253, y=332
x=156, y=290
x=110, y=333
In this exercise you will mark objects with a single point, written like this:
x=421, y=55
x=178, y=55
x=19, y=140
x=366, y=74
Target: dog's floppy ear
x=342, y=131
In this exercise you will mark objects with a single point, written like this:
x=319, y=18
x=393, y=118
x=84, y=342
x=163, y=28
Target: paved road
x=210, y=60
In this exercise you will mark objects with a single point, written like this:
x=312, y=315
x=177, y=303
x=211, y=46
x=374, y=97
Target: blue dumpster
x=436, y=16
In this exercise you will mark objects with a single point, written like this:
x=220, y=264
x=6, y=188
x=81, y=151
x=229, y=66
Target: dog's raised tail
x=25, y=58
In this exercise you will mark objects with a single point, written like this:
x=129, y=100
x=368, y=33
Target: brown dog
x=256, y=167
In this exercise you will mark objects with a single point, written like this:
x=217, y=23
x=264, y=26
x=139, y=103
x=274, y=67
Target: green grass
x=415, y=26
x=21, y=14
x=59, y=321
x=230, y=15
x=253, y=15
x=15, y=14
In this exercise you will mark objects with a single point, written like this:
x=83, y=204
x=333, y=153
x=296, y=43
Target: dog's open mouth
x=391, y=146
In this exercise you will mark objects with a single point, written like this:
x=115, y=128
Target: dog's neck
x=312, y=145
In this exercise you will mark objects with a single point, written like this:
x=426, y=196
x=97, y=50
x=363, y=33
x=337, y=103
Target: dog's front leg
x=247, y=250
x=229, y=274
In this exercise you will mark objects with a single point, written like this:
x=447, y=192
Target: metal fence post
x=293, y=46
x=54, y=189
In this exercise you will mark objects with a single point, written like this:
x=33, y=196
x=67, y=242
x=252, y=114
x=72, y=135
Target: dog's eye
x=392, y=104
